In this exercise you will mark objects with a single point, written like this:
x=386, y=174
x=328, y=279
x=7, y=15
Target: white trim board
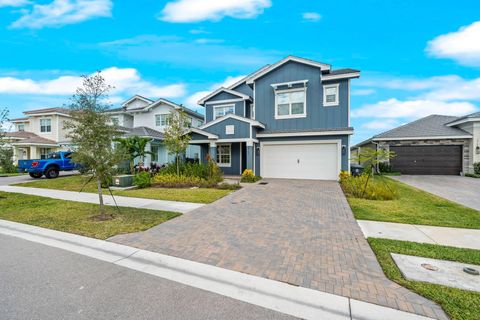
x=224, y=101
x=232, y=92
x=299, y=302
x=304, y=134
x=327, y=77
x=232, y=116
x=460, y=121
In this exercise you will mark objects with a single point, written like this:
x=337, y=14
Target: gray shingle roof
x=430, y=126
x=342, y=71
x=48, y=110
x=319, y=130
x=472, y=115
x=144, y=132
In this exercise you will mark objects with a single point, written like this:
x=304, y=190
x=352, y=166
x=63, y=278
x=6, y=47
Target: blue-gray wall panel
x=242, y=129
x=239, y=109
x=245, y=89
x=318, y=116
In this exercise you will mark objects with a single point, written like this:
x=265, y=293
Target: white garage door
x=300, y=161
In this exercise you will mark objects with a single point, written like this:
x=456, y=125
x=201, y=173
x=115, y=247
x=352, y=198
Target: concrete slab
x=175, y=206
x=454, y=237
x=394, y=231
x=363, y=311
x=447, y=273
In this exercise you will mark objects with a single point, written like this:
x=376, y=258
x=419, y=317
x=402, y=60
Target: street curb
x=274, y=295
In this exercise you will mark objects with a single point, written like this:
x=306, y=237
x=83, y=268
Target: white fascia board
x=224, y=101
x=304, y=134
x=233, y=116
x=232, y=92
x=49, y=114
x=289, y=84
x=457, y=122
x=135, y=97
x=424, y=138
x=203, y=133
x=35, y=144
x=327, y=77
x=20, y=121
x=322, y=66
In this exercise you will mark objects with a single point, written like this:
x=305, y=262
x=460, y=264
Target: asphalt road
x=4, y=181
x=41, y=282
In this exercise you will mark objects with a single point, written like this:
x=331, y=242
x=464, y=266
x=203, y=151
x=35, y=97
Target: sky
x=416, y=57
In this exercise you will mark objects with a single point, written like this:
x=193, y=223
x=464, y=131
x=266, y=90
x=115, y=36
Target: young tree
x=91, y=132
x=6, y=152
x=134, y=147
x=175, y=138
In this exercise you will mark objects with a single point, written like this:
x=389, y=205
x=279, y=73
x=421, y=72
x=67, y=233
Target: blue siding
x=239, y=109
x=343, y=138
x=223, y=96
x=196, y=136
x=245, y=89
x=318, y=117
x=242, y=129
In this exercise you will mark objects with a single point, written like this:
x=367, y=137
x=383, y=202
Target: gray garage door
x=427, y=159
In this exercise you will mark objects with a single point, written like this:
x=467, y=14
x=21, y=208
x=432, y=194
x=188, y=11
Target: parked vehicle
x=50, y=167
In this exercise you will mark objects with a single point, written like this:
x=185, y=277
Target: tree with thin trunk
x=372, y=158
x=134, y=147
x=175, y=135
x=91, y=132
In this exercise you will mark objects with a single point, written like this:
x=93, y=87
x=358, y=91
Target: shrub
x=476, y=167
x=384, y=167
x=249, y=177
x=229, y=186
x=207, y=171
x=376, y=189
x=142, y=180
x=472, y=175
x=6, y=160
x=169, y=180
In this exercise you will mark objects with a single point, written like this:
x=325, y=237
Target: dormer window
x=330, y=95
x=220, y=111
x=290, y=103
x=21, y=127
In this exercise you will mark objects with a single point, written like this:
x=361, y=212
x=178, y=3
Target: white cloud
x=383, y=124
x=200, y=10
x=125, y=80
x=412, y=109
x=192, y=100
x=363, y=92
x=13, y=3
x=462, y=45
x=311, y=16
x=62, y=12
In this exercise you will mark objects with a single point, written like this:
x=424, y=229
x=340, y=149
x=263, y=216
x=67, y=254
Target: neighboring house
x=139, y=116
x=39, y=133
x=435, y=144
x=290, y=119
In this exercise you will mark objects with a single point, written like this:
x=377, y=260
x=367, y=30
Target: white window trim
x=292, y=116
x=160, y=115
x=40, y=123
x=222, y=106
x=230, y=154
x=230, y=129
x=337, y=98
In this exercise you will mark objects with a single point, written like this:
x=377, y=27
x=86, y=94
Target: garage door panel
x=300, y=161
x=427, y=159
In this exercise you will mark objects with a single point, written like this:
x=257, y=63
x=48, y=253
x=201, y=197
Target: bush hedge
x=476, y=167
x=249, y=177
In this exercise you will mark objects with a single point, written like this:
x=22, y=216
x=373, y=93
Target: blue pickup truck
x=50, y=167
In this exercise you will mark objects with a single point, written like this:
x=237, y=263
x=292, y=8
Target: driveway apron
x=295, y=231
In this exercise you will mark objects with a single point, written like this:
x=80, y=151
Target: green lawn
x=75, y=183
x=415, y=207
x=76, y=217
x=459, y=304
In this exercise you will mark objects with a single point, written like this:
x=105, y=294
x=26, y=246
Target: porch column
x=250, y=155
x=148, y=157
x=34, y=152
x=213, y=151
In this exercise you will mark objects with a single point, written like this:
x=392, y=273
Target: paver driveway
x=296, y=231
x=463, y=190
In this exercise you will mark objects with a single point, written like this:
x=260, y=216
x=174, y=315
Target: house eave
x=423, y=138
x=461, y=121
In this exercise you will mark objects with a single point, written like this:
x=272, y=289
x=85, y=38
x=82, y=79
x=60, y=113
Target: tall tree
x=91, y=132
x=175, y=138
x=6, y=151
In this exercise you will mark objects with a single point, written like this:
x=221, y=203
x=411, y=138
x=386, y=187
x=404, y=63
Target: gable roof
x=137, y=97
x=63, y=111
x=203, y=133
x=26, y=138
x=176, y=106
x=433, y=126
x=470, y=117
x=270, y=68
x=223, y=89
x=254, y=123
x=143, y=132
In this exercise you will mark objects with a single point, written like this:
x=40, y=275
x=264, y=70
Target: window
x=45, y=125
x=220, y=111
x=115, y=120
x=290, y=104
x=21, y=127
x=162, y=120
x=154, y=151
x=230, y=129
x=44, y=152
x=252, y=112
x=224, y=155
x=330, y=95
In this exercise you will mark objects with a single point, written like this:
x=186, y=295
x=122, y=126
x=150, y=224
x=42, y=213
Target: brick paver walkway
x=295, y=231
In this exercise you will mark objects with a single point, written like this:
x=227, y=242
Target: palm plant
x=134, y=147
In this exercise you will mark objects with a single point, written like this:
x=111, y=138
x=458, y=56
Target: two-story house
x=290, y=120
x=140, y=116
x=39, y=133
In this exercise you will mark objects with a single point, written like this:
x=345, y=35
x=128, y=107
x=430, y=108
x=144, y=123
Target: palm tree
x=134, y=147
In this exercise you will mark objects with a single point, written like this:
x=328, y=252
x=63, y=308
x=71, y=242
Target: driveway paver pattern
x=462, y=190
x=296, y=231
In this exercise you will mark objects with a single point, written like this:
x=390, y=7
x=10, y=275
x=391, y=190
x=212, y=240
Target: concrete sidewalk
x=140, y=203
x=281, y=297
x=453, y=237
